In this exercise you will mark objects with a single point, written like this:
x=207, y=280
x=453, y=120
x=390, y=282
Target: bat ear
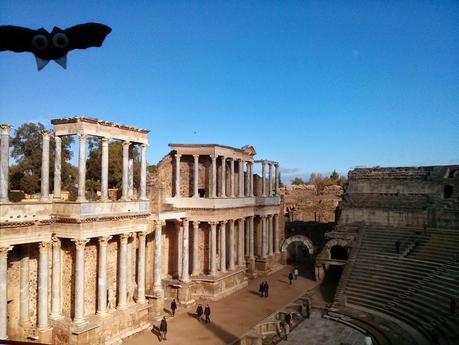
x=62, y=62
x=41, y=63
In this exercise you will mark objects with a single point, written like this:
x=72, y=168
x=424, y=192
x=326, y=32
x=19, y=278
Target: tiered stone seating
x=387, y=201
x=414, y=289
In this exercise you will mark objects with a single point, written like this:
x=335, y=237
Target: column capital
x=177, y=155
x=80, y=243
x=55, y=241
x=46, y=133
x=4, y=251
x=105, y=139
x=43, y=247
x=223, y=222
x=82, y=136
x=57, y=138
x=213, y=156
x=103, y=240
x=213, y=222
x=196, y=155
x=124, y=238
x=159, y=223
x=141, y=235
x=143, y=146
x=196, y=222
x=5, y=129
x=126, y=143
x=185, y=221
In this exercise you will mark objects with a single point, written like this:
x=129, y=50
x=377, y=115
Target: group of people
x=283, y=327
x=293, y=275
x=200, y=312
x=264, y=289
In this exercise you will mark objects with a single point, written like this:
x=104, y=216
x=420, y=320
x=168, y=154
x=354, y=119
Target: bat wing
x=87, y=35
x=16, y=38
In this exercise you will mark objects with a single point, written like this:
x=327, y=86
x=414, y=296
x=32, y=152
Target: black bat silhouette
x=55, y=45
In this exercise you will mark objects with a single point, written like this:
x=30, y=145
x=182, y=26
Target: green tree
x=25, y=173
x=297, y=181
x=334, y=175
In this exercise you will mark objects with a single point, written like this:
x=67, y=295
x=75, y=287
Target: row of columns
x=128, y=170
x=245, y=187
x=267, y=188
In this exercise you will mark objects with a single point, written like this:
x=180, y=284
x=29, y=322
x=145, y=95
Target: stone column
x=131, y=172
x=246, y=238
x=141, y=268
x=213, y=248
x=186, y=252
x=270, y=235
x=179, y=249
x=240, y=246
x=263, y=237
x=276, y=178
x=82, y=169
x=177, y=175
x=125, y=181
x=43, y=286
x=241, y=177
x=24, y=286
x=276, y=233
x=79, y=280
x=251, y=178
x=263, y=179
x=143, y=172
x=56, y=280
x=196, y=177
x=223, y=246
x=4, y=287
x=104, y=170
x=129, y=264
x=231, y=245
x=4, y=162
x=223, y=194
x=247, y=180
x=195, y=270
x=57, y=167
x=270, y=179
x=102, y=276
x=158, y=258
x=232, y=177
x=122, y=278
x=251, y=238
x=45, y=166
x=214, y=176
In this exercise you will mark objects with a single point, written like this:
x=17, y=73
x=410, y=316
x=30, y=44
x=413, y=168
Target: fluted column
x=4, y=290
x=196, y=177
x=45, y=166
x=186, y=252
x=125, y=180
x=231, y=245
x=241, y=177
x=43, y=285
x=56, y=280
x=263, y=178
x=232, y=177
x=195, y=269
x=131, y=172
x=82, y=169
x=143, y=172
x=57, y=167
x=223, y=191
x=122, y=278
x=270, y=179
x=251, y=238
x=264, y=237
x=276, y=233
x=129, y=264
x=251, y=178
x=246, y=238
x=223, y=246
x=213, y=248
x=247, y=179
x=104, y=170
x=240, y=246
x=79, y=280
x=4, y=163
x=214, y=176
x=24, y=285
x=179, y=249
x=102, y=276
x=141, y=268
x=276, y=178
x=158, y=248
x=270, y=235
x=177, y=174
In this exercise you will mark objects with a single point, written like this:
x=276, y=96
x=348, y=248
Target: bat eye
x=40, y=41
x=60, y=40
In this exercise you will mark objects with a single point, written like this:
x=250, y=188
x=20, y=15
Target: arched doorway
x=298, y=252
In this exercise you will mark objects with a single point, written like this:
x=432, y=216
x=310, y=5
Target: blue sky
x=315, y=85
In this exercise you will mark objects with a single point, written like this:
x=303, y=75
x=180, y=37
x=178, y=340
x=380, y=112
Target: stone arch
x=298, y=238
x=335, y=242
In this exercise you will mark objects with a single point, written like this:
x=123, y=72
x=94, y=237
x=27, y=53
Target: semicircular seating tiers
x=412, y=289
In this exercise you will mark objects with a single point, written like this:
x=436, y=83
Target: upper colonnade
x=83, y=127
x=240, y=162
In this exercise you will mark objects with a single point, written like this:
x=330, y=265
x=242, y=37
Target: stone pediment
x=249, y=149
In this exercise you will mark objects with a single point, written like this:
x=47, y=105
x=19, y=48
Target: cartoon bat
x=52, y=46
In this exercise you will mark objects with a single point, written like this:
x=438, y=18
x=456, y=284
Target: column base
x=81, y=200
x=56, y=316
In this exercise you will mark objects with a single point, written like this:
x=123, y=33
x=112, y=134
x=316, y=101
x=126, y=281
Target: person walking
x=266, y=289
x=163, y=329
x=173, y=306
x=207, y=313
x=295, y=273
x=288, y=319
x=290, y=278
x=199, y=312
x=261, y=290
